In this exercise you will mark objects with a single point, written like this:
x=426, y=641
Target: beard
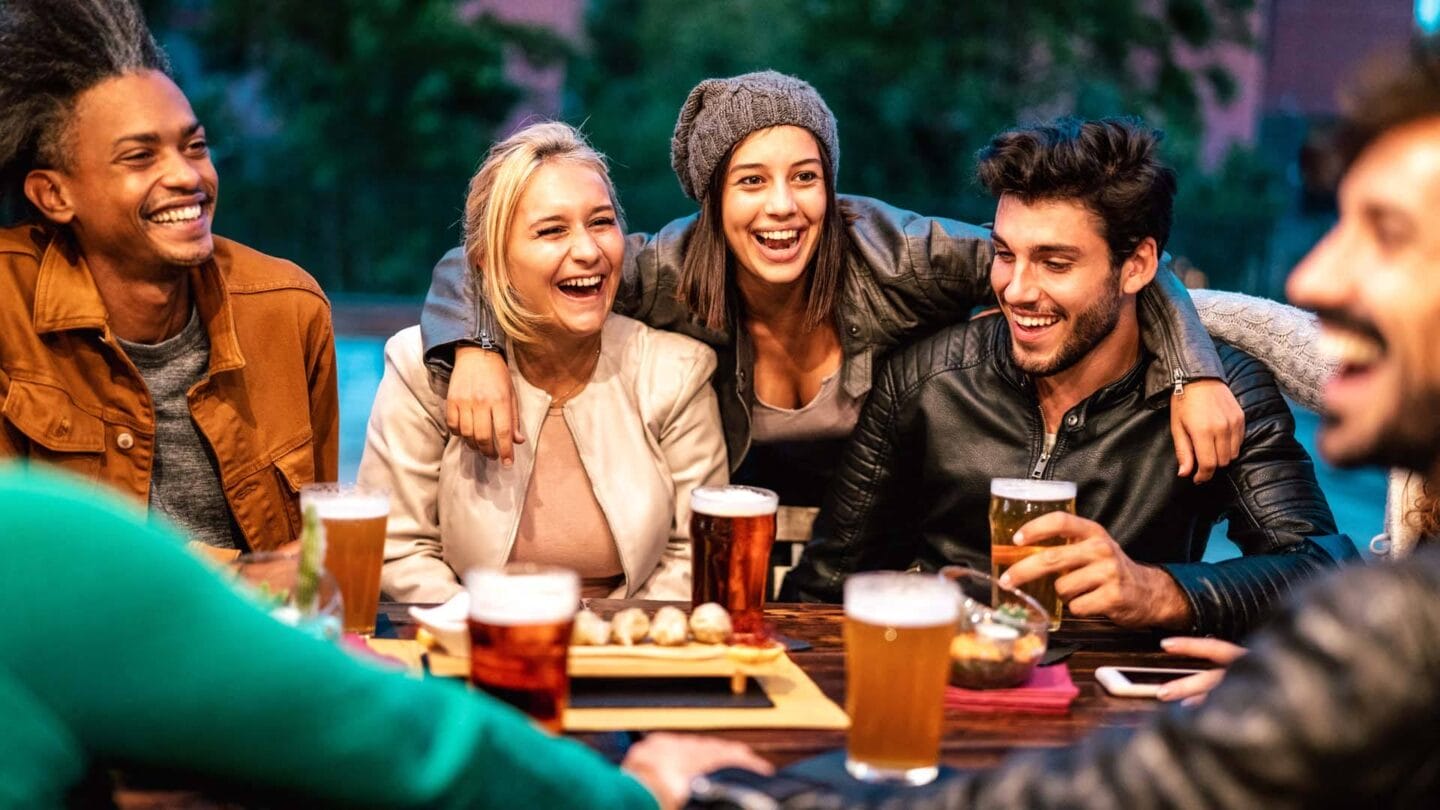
x=1091, y=326
x=1410, y=439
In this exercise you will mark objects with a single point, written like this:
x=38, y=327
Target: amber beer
x=1013, y=503
x=898, y=629
x=520, y=620
x=354, y=518
x=732, y=529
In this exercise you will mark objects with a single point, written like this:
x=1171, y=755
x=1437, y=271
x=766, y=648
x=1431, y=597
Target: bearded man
x=1055, y=387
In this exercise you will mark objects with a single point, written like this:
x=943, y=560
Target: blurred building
x=544, y=86
x=1286, y=86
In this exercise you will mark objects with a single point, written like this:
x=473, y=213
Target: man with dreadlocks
x=136, y=349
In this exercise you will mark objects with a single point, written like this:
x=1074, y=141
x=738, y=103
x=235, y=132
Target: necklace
x=559, y=401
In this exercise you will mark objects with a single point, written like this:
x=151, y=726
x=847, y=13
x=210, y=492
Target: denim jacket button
x=124, y=441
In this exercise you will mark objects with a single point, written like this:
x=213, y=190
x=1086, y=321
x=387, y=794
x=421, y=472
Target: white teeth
x=778, y=236
x=1347, y=348
x=188, y=213
x=1035, y=323
x=585, y=283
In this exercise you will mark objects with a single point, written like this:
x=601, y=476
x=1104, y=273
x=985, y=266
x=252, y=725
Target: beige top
x=832, y=414
x=561, y=523
x=646, y=429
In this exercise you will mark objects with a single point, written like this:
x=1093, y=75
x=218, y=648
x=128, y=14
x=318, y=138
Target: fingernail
x=1163, y=693
x=1018, y=538
x=1005, y=580
x=507, y=463
x=1167, y=643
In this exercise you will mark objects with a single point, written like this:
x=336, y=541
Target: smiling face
x=1375, y=282
x=139, y=190
x=1053, y=277
x=564, y=249
x=773, y=205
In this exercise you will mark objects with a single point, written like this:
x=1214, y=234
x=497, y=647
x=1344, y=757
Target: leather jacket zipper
x=1179, y=379
x=1039, y=471
x=1044, y=460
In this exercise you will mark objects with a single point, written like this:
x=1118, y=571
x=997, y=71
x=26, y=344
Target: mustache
x=1349, y=321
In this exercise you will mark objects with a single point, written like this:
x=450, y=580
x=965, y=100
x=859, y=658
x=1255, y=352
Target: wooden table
x=971, y=740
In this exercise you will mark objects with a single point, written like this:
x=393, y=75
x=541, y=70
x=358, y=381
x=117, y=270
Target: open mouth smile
x=180, y=215
x=1030, y=328
x=582, y=288
x=779, y=245
x=1350, y=351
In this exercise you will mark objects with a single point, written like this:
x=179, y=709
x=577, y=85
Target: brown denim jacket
x=267, y=406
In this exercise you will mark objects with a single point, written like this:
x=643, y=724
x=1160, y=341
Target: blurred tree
x=917, y=85
x=345, y=131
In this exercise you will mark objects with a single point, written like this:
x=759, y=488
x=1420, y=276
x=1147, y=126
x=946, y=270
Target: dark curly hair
x=51, y=51
x=1110, y=166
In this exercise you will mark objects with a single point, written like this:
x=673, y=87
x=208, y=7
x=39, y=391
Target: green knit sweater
x=117, y=646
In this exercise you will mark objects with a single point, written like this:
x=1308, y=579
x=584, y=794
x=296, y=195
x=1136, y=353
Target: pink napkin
x=1049, y=691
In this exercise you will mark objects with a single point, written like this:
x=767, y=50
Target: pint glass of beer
x=898, y=629
x=732, y=529
x=1013, y=503
x=520, y=620
x=354, y=518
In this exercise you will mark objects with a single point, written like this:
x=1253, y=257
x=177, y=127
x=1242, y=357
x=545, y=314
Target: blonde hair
x=490, y=205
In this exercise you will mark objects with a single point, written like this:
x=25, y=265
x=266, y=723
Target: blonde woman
x=624, y=418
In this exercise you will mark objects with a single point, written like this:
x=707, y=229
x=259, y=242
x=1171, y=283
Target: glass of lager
x=520, y=620
x=354, y=518
x=1013, y=503
x=732, y=529
x=898, y=629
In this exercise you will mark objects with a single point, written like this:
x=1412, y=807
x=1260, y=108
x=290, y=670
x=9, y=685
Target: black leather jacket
x=907, y=275
x=1336, y=706
x=953, y=411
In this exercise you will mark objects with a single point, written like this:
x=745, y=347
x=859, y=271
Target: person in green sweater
x=120, y=649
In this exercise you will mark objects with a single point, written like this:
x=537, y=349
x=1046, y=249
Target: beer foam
x=734, y=501
x=345, y=502
x=1031, y=489
x=900, y=599
x=545, y=596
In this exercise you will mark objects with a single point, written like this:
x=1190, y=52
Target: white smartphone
x=1138, y=681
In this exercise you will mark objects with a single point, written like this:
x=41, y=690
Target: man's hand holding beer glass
x=1096, y=577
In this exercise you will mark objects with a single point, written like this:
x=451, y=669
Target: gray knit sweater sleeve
x=1280, y=336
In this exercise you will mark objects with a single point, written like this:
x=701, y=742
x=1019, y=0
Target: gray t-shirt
x=185, y=479
x=832, y=414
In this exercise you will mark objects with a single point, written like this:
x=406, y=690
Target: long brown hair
x=707, y=281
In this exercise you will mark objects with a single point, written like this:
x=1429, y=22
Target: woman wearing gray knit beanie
x=799, y=290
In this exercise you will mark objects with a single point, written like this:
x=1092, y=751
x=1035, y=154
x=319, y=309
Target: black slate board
x=668, y=693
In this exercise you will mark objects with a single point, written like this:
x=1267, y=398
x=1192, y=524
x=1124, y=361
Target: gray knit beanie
x=719, y=113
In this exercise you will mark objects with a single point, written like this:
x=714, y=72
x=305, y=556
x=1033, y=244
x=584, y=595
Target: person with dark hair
x=801, y=291
x=1335, y=705
x=1059, y=386
x=138, y=350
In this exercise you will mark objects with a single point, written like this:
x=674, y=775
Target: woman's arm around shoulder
x=1280, y=336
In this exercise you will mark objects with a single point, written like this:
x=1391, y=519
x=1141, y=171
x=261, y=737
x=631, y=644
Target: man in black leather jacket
x=1084, y=212
x=1336, y=704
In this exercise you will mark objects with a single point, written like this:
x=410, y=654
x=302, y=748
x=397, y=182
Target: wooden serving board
x=798, y=702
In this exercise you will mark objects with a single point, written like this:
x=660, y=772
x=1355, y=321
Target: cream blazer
x=647, y=428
